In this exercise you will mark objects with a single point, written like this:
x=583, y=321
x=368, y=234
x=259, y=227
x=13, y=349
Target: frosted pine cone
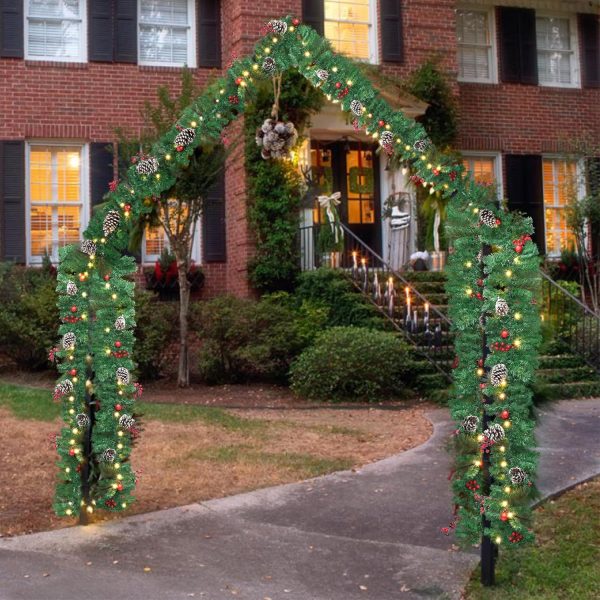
x=123, y=375
x=517, y=475
x=147, y=166
x=501, y=307
x=498, y=374
x=111, y=222
x=494, y=433
x=470, y=424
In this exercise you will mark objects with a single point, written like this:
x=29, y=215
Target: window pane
x=474, y=63
x=481, y=169
x=554, y=50
x=40, y=175
x=163, y=44
x=347, y=27
x=167, y=12
x=155, y=241
x=559, y=179
x=474, y=45
x=41, y=230
x=54, y=8
x=54, y=39
x=68, y=225
x=472, y=28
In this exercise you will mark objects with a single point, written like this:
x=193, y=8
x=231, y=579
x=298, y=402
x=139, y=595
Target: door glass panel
x=320, y=161
x=360, y=179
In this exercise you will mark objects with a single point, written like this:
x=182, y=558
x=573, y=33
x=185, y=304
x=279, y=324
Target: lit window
x=166, y=32
x=485, y=170
x=55, y=199
x=348, y=28
x=360, y=179
x=560, y=187
x=475, y=41
x=556, y=45
x=55, y=30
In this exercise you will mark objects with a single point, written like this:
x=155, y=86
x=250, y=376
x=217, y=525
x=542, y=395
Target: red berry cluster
x=110, y=503
x=120, y=354
x=139, y=390
x=416, y=180
x=501, y=347
x=70, y=319
x=520, y=242
x=343, y=93
x=112, y=186
x=472, y=485
x=515, y=537
x=234, y=99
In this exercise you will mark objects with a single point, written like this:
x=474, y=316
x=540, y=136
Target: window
x=155, y=241
x=485, y=169
x=560, y=186
x=57, y=206
x=475, y=38
x=348, y=26
x=556, y=57
x=55, y=30
x=166, y=32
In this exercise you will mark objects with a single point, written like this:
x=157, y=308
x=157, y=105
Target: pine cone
x=111, y=222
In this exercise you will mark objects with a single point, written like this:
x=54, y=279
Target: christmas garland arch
x=492, y=280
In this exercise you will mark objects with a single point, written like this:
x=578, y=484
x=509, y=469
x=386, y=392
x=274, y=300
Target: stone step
x=564, y=391
x=568, y=375
x=561, y=361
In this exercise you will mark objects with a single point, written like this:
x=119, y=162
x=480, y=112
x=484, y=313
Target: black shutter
x=392, y=43
x=209, y=33
x=213, y=224
x=100, y=30
x=518, y=49
x=525, y=191
x=11, y=28
x=589, y=31
x=313, y=14
x=592, y=176
x=12, y=199
x=126, y=38
x=101, y=170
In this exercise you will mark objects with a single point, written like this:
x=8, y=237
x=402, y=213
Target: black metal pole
x=90, y=406
x=488, y=548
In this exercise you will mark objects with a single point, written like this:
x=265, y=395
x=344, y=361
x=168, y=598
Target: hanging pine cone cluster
x=470, y=424
x=123, y=375
x=109, y=455
x=269, y=66
x=498, y=374
x=82, y=420
x=501, y=307
x=386, y=139
x=278, y=27
x=487, y=217
x=127, y=422
x=184, y=138
x=356, y=107
x=148, y=166
x=494, y=433
x=120, y=323
x=63, y=387
x=517, y=475
x=276, y=138
x=71, y=288
x=111, y=222
x=88, y=247
x=68, y=340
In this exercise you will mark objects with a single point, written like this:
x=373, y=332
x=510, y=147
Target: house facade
x=526, y=75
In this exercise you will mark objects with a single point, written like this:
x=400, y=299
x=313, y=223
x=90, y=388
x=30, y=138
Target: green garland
x=89, y=366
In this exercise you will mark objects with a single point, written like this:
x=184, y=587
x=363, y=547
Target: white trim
x=84, y=190
x=493, y=49
x=497, y=156
x=191, y=61
x=575, y=59
x=83, y=43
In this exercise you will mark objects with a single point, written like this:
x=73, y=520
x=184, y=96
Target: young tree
x=178, y=209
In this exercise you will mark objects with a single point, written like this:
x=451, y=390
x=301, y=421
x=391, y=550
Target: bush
x=352, y=363
x=28, y=314
x=332, y=291
x=244, y=340
x=156, y=329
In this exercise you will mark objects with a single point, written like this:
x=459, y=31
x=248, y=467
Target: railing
x=408, y=310
x=571, y=321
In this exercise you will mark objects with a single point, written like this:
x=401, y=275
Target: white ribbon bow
x=329, y=203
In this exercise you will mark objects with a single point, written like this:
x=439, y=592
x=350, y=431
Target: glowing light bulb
x=502, y=448
x=468, y=264
x=119, y=476
x=507, y=490
x=480, y=372
x=480, y=438
x=68, y=512
x=117, y=414
x=518, y=316
x=498, y=539
x=120, y=433
x=68, y=470
x=517, y=343
x=167, y=157
x=75, y=431
x=503, y=464
x=508, y=273
x=84, y=294
x=89, y=509
x=504, y=503
x=107, y=286
x=469, y=291
x=114, y=296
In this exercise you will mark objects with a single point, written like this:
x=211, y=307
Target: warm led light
x=84, y=294
x=120, y=433
x=517, y=343
x=506, y=424
x=518, y=316
x=510, y=515
x=72, y=442
x=167, y=157
x=468, y=264
x=480, y=438
x=334, y=69
x=119, y=476
x=508, y=273
x=75, y=379
x=194, y=124
x=107, y=351
x=502, y=396
x=71, y=398
x=119, y=446
x=504, y=503
x=107, y=286
x=255, y=67
x=117, y=414
x=107, y=330
x=480, y=372
x=68, y=470
x=89, y=509
x=349, y=82
x=157, y=176
x=267, y=50
x=68, y=512
x=84, y=316
x=75, y=430
x=114, y=296
x=245, y=73
x=498, y=539
x=469, y=291
x=504, y=464
x=507, y=490
x=124, y=504
x=114, y=486
x=117, y=465
x=477, y=463
x=502, y=448
x=475, y=211
x=307, y=54
x=71, y=411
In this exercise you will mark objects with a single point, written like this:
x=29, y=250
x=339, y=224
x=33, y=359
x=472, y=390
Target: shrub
x=352, y=363
x=155, y=330
x=332, y=291
x=28, y=314
x=246, y=340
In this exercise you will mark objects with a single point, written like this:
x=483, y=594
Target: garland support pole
x=488, y=548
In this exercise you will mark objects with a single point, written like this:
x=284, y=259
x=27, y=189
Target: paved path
x=370, y=535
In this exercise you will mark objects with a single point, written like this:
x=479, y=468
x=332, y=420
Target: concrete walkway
x=370, y=535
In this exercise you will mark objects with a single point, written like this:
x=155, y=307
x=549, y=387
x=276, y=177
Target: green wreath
x=355, y=174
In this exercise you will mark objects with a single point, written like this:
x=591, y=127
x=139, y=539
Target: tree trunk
x=183, y=376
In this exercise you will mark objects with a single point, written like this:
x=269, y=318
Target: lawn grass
x=563, y=564
x=36, y=404
x=301, y=464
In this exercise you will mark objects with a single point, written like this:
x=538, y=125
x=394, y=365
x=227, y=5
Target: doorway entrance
x=351, y=168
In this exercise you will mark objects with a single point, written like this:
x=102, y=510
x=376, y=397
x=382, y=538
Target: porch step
x=565, y=391
x=560, y=361
x=568, y=375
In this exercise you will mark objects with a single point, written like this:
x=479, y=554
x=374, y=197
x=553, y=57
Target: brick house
x=526, y=75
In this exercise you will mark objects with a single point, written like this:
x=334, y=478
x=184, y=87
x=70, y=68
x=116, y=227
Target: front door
x=351, y=168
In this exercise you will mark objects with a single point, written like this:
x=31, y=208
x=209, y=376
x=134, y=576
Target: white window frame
x=575, y=64
x=580, y=190
x=497, y=157
x=373, y=32
x=84, y=189
x=191, y=32
x=493, y=49
x=83, y=44
x=150, y=259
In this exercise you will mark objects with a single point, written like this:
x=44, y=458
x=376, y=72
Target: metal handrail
x=566, y=292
